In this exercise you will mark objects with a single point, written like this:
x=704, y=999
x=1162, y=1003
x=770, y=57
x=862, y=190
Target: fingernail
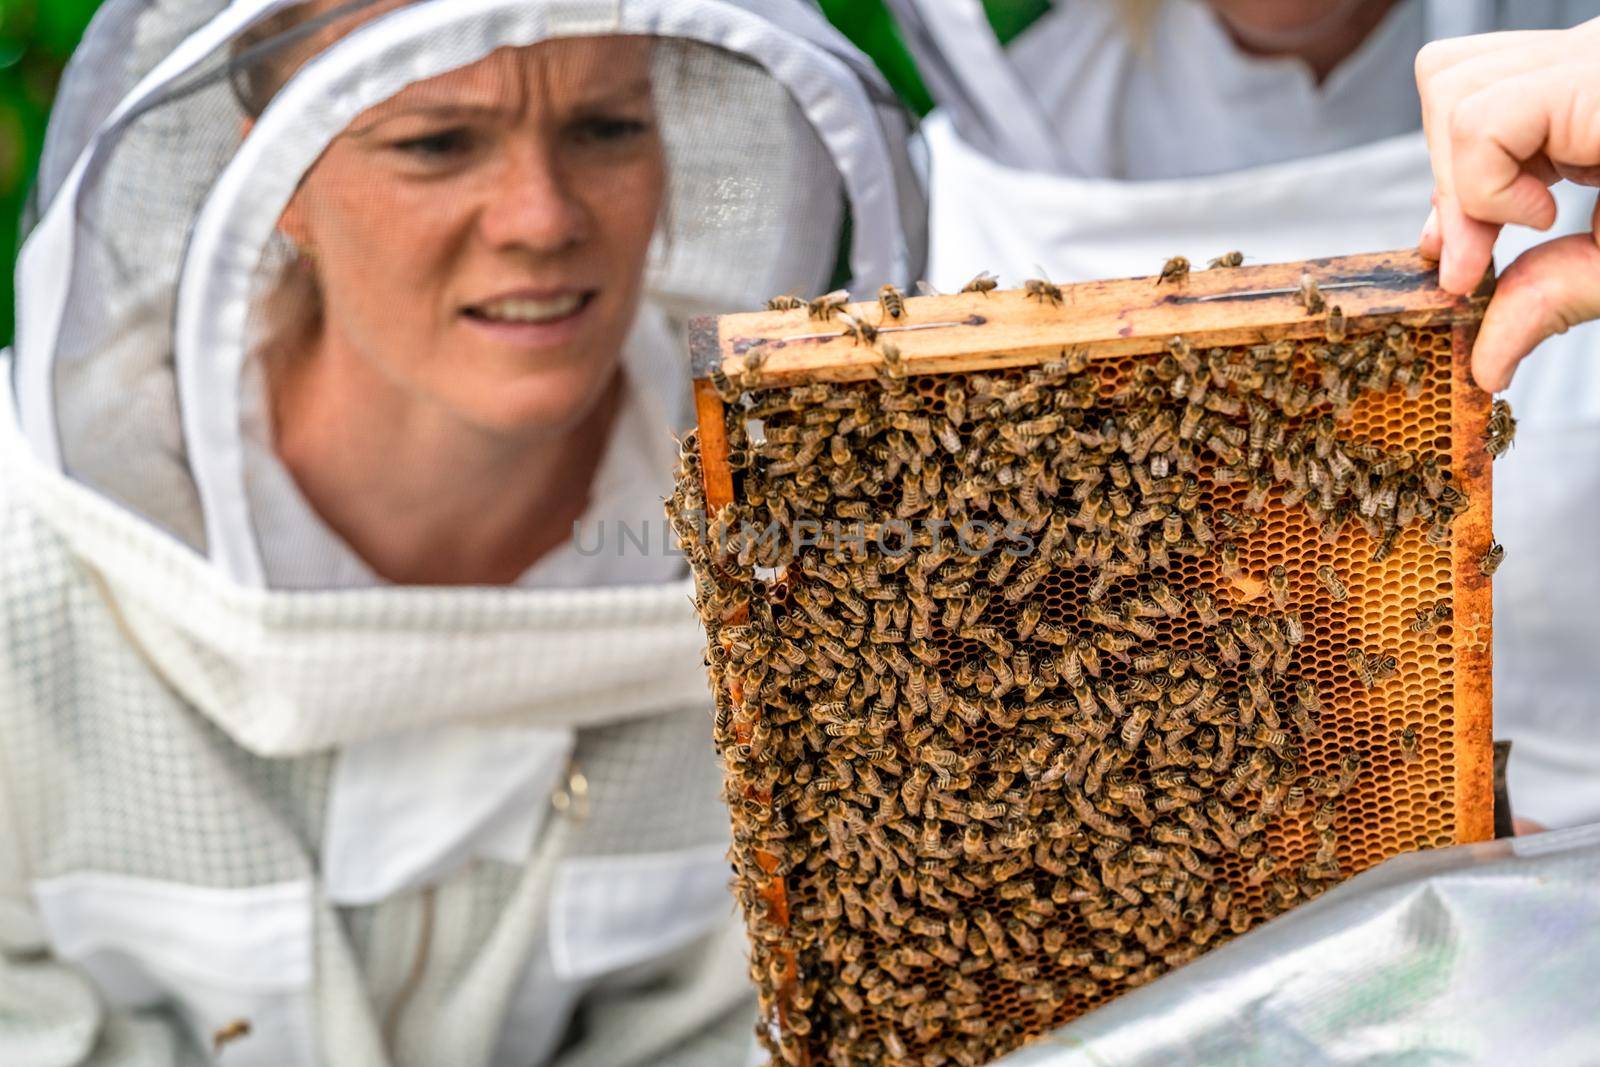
x=1430, y=229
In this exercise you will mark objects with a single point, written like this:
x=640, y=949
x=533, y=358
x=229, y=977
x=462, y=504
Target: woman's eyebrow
x=424, y=110
x=447, y=110
x=620, y=95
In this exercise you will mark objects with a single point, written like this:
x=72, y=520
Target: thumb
x=1548, y=290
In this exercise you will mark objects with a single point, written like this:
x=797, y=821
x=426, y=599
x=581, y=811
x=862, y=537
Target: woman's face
x=480, y=238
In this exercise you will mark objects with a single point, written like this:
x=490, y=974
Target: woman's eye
x=603, y=130
x=441, y=145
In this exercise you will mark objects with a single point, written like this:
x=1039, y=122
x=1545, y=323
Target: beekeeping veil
x=147, y=283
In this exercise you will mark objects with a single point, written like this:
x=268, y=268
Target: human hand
x=1506, y=116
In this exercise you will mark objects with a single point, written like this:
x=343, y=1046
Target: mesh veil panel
x=757, y=200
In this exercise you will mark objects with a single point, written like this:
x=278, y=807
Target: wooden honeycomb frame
x=1443, y=687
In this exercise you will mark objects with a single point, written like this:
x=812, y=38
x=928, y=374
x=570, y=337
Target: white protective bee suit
x=241, y=778
x=1082, y=151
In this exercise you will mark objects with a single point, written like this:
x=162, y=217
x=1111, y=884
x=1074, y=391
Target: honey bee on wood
x=862, y=332
x=1331, y=582
x=1310, y=295
x=1174, y=270
x=1227, y=260
x=892, y=301
x=828, y=304
x=229, y=1033
x=1492, y=559
x=785, y=302
x=1042, y=289
x=984, y=283
x=1501, y=430
x=729, y=390
x=893, y=361
x=1336, y=325
x=750, y=373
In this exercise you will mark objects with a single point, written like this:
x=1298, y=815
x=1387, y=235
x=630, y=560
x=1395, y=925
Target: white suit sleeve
x=51, y=1014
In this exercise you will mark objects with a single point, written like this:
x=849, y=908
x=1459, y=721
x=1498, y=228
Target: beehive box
x=980, y=786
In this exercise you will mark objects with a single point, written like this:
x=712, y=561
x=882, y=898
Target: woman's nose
x=532, y=205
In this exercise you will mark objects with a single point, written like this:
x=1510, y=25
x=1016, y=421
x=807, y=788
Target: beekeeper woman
x=334, y=319
x=1111, y=135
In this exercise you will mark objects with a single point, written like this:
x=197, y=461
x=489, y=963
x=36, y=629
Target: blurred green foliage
x=872, y=29
x=36, y=37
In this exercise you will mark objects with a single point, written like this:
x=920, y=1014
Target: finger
x=1547, y=291
x=1466, y=248
x=1523, y=827
x=1451, y=70
x=1431, y=243
x=1498, y=136
x=1436, y=57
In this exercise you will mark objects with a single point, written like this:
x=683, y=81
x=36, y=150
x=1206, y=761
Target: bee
x=981, y=283
x=1501, y=430
x=1361, y=664
x=1331, y=582
x=229, y=1033
x=1294, y=798
x=1205, y=608
x=726, y=388
x=1492, y=559
x=1174, y=270
x=1322, y=818
x=1230, y=565
x=1262, y=869
x=827, y=305
x=1278, y=585
x=1350, y=765
x=1310, y=295
x=1336, y=325
x=1410, y=744
x=892, y=301
x=894, y=363
x=863, y=333
x=1423, y=620
x=785, y=302
x=1168, y=601
x=750, y=374
x=1043, y=289
x=1227, y=259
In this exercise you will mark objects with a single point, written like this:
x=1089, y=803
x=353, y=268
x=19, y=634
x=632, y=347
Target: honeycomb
x=976, y=792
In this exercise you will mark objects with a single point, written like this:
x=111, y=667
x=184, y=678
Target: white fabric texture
x=194, y=754
x=1220, y=179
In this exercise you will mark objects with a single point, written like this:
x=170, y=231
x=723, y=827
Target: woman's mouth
x=531, y=321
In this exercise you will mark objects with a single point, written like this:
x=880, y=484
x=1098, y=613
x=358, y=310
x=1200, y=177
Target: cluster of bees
x=982, y=780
